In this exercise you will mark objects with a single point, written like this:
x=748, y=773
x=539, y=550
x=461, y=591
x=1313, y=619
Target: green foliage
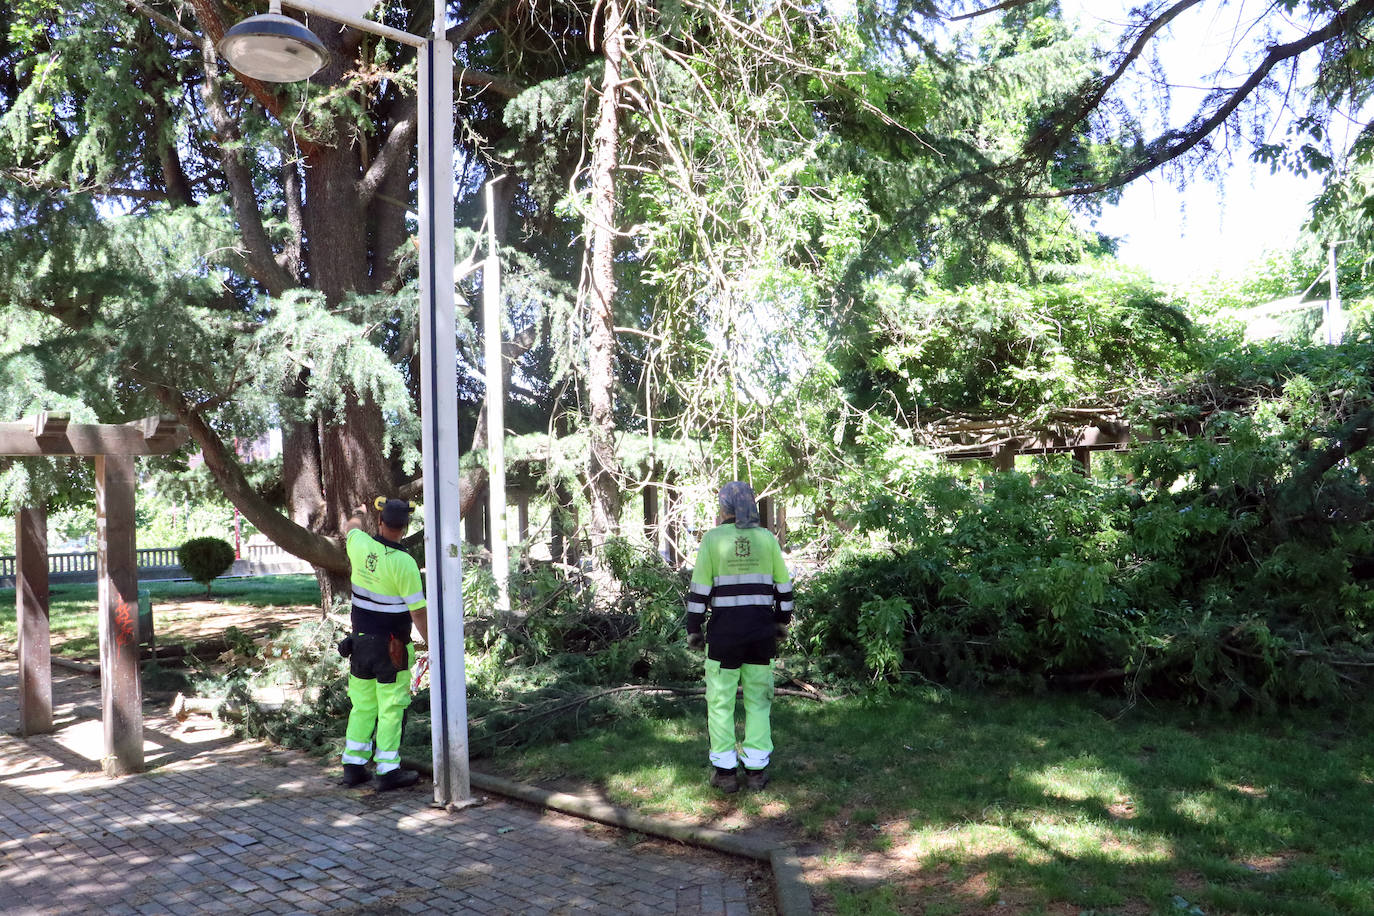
x=1236, y=566
x=294, y=692
x=1017, y=350
x=205, y=559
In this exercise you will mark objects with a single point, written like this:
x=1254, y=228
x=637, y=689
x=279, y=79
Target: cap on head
x=396, y=513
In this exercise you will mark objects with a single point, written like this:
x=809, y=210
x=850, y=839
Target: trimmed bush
x=205, y=559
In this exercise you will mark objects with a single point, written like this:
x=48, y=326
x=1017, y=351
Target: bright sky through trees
x=1212, y=223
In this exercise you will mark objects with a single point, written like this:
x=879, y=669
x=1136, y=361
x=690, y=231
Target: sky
x=1208, y=226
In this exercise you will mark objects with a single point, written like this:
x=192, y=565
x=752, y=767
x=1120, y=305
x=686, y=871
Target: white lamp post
x=275, y=48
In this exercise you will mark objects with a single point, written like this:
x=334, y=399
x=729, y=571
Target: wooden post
x=564, y=528
x=780, y=521
x=651, y=528
x=670, y=528
x=522, y=513
x=121, y=692
x=1004, y=458
x=474, y=526
x=1083, y=459
x=31, y=606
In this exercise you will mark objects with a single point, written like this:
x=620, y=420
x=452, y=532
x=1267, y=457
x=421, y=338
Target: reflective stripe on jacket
x=740, y=576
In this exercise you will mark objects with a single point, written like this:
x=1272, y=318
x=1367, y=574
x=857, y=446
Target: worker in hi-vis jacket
x=387, y=598
x=742, y=594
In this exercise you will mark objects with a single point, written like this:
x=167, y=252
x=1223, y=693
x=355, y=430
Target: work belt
x=374, y=657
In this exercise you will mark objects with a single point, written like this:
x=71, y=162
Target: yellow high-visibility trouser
x=721, y=684
x=378, y=708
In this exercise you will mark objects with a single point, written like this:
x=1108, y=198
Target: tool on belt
x=372, y=656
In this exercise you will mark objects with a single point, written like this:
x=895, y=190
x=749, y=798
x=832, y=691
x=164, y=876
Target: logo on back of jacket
x=741, y=547
x=371, y=563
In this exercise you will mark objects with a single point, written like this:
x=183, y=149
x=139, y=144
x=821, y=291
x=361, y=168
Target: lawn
x=942, y=803
x=938, y=802
x=178, y=608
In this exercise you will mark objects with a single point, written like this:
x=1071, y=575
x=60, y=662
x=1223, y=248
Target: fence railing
x=153, y=562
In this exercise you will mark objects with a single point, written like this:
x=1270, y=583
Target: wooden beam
x=1107, y=437
x=50, y=425
x=50, y=435
x=31, y=606
x=121, y=691
x=160, y=429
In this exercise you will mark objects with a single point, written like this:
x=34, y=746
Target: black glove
x=696, y=641
x=346, y=647
x=780, y=630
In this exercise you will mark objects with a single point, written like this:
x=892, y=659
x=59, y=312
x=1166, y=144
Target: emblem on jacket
x=371, y=563
x=741, y=547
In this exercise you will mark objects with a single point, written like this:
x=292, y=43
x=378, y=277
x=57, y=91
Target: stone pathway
x=221, y=825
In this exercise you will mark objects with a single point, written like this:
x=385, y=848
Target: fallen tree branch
x=579, y=702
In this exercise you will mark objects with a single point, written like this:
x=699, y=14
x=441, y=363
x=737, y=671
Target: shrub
x=1232, y=568
x=205, y=559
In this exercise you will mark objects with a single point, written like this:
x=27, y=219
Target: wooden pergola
x=998, y=443
x=1068, y=431
x=114, y=447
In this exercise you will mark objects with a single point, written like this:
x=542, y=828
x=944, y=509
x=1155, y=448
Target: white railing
x=81, y=567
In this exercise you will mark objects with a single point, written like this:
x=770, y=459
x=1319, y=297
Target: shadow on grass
x=933, y=802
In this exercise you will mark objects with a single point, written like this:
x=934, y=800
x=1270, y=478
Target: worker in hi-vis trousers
x=387, y=599
x=741, y=583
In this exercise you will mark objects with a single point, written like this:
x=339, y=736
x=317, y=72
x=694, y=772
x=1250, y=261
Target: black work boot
x=355, y=774
x=397, y=779
x=757, y=779
x=725, y=780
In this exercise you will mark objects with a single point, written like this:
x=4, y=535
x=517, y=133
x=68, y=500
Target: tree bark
x=602, y=464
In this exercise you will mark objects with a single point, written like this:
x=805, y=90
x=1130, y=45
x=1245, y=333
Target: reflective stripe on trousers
x=721, y=684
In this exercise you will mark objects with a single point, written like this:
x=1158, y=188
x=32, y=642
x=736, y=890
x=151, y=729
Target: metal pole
x=496, y=409
x=438, y=396
x=357, y=22
x=439, y=403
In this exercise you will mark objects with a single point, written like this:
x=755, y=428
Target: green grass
x=72, y=608
x=965, y=801
x=943, y=803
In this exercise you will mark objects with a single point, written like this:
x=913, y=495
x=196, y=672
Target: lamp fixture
x=273, y=48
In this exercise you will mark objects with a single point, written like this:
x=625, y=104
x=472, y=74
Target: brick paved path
x=219, y=825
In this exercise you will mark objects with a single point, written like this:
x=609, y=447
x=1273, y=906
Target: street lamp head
x=273, y=48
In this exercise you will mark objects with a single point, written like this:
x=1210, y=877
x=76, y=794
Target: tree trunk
x=353, y=469
x=603, y=473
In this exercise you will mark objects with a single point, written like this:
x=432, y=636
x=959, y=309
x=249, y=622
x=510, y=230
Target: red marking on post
x=124, y=624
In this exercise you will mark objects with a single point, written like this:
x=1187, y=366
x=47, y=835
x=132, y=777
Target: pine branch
x=1172, y=144
x=995, y=8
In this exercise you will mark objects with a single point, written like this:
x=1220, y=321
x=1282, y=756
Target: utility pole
x=1333, y=319
x=496, y=409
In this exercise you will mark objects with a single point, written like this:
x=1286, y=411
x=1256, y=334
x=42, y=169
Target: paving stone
x=210, y=828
